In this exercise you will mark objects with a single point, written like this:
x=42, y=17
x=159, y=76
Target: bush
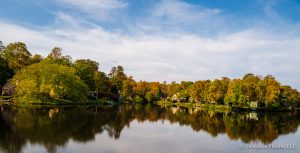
x=137, y=99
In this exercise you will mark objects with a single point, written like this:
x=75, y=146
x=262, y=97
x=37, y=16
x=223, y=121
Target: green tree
x=49, y=81
x=164, y=89
x=56, y=57
x=183, y=95
x=186, y=84
x=36, y=58
x=86, y=70
x=102, y=84
x=149, y=97
x=173, y=88
x=137, y=99
x=16, y=55
x=234, y=95
x=5, y=72
x=117, y=76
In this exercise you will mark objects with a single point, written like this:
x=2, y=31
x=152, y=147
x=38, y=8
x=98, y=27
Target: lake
x=145, y=129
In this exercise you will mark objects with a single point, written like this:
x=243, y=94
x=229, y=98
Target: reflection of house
x=191, y=111
x=211, y=113
x=197, y=110
x=252, y=116
x=175, y=98
x=174, y=109
x=52, y=112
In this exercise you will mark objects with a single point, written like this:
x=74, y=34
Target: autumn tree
x=217, y=91
x=289, y=97
x=141, y=89
x=155, y=90
x=268, y=90
x=250, y=82
x=127, y=91
x=196, y=89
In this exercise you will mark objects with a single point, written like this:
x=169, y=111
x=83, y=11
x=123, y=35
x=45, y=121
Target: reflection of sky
x=164, y=137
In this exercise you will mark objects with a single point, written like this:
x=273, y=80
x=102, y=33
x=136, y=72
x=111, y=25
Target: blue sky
x=164, y=39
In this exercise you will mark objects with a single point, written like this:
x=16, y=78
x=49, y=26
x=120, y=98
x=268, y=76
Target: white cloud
x=95, y=4
x=174, y=16
x=182, y=13
x=94, y=9
x=186, y=57
x=174, y=55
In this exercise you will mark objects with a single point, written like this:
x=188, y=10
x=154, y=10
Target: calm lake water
x=144, y=129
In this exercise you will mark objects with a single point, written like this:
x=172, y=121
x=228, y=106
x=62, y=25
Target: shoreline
x=223, y=108
x=103, y=102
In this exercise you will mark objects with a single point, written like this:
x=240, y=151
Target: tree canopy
x=56, y=57
x=49, y=81
x=86, y=70
x=17, y=55
x=5, y=71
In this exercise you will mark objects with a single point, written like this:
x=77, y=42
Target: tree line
x=57, y=76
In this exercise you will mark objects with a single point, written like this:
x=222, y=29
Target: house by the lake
x=255, y=104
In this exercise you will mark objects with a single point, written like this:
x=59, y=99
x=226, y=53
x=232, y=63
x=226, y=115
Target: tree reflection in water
x=53, y=127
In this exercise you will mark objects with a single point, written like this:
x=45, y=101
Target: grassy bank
x=221, y=108
x=5, y=97
x=53, y=102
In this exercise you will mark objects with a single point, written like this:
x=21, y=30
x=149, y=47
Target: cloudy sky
x=157, y=40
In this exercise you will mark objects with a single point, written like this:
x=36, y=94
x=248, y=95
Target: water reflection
x=54, y=127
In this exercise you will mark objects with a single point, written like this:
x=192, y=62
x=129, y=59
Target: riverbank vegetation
x=56, y=77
